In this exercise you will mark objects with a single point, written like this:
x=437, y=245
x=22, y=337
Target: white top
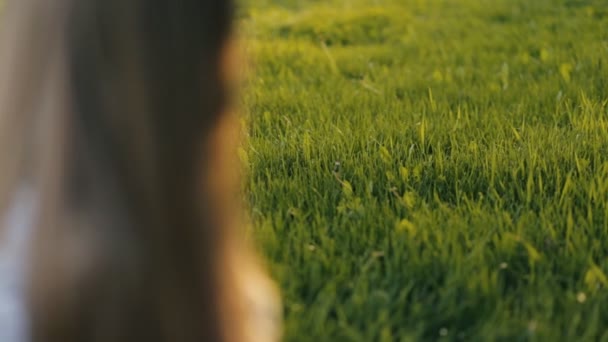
x=16, y=228
x=14, y=237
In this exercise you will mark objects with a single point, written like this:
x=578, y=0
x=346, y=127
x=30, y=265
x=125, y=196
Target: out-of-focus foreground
x=431, y=169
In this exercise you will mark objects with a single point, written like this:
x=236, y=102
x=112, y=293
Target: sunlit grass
x=431, y=169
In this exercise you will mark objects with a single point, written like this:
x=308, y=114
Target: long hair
x=107, y=108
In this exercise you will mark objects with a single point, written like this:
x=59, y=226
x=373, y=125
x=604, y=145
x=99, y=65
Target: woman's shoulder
x=261, y=304
x=264, y=314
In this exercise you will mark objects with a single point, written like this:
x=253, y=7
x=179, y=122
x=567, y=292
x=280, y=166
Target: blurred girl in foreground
x=118, y=192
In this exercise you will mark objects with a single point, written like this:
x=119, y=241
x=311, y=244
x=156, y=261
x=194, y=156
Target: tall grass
x=431, y=169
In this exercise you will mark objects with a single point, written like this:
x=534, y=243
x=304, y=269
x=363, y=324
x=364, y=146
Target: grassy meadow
x=421, y=170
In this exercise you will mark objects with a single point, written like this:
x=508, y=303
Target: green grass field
x=431, y=169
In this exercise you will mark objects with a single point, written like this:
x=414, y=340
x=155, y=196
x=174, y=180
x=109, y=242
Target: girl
x=116, y=181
